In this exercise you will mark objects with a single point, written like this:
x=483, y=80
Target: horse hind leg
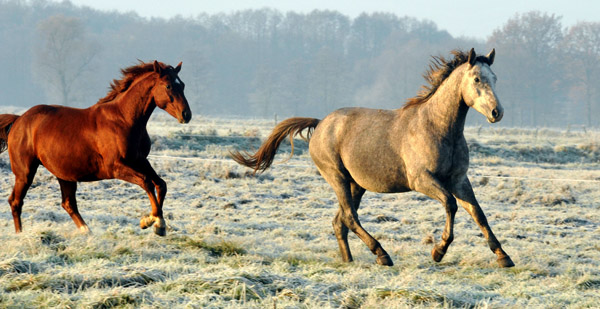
x=23, y=181
x=69, y=203
x=16, y=202
x=349, y=218
x=340, y=229
x=341, y=234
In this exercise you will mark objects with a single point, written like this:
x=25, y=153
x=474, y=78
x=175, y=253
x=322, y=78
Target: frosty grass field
x=238, y=240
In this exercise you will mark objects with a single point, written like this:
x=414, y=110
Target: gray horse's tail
x=6, y=122
x=263, y=158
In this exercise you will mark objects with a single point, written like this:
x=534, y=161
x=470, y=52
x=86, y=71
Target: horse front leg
x=466, y=198
x=429, y=185
x=144, y=176
x=161, y=191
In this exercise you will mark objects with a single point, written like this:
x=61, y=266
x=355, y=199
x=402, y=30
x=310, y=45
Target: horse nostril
x=495, y=113
x=185, y=115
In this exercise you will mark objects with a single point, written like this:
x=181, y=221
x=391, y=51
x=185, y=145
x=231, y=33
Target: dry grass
x=235, y=239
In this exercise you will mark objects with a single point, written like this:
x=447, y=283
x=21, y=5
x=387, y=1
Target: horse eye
x=476, y=79
x=168, y=86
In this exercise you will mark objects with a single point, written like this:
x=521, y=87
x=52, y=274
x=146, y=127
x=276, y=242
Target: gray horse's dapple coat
x=420, y=147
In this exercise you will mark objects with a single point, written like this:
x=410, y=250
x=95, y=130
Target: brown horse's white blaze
x=419, y=147
x=105, y=141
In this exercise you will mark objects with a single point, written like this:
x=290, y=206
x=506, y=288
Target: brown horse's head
x=168, y=92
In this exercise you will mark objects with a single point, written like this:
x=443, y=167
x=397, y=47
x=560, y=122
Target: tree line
x=264, y=62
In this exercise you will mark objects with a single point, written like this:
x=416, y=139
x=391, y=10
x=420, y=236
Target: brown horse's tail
x=263, y=158
x=6, y=121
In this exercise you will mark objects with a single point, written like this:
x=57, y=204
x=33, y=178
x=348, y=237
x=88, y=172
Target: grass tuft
x=74, y=283
x=52, y=240
x=419, y=296
x=589, y=284
x=215, y=249
x=118, y=299
x=18, y=267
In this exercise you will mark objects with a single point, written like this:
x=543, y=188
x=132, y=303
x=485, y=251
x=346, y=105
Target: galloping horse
x=419, y=147
x=108, y=140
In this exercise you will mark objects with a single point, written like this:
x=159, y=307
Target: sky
x=461, y=18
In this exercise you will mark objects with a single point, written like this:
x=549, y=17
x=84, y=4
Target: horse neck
x=137, y=103
x=446, y=109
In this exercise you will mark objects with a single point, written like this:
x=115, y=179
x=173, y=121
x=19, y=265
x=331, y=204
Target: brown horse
x=108, y=140
x=420, y=147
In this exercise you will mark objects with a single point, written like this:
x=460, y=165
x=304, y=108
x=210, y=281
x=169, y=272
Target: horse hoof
x=84, y=229
x=436, y=254
x=146, y=222
x=160, y=230
x=505, y=262
x=385, y=260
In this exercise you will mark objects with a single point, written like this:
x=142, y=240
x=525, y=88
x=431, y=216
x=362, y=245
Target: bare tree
x=198, y=73
x=582, y=44
x=326, y=86
x=63, y=57
x=266, y=90
x=528, y=45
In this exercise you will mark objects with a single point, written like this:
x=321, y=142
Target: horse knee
x=67, y=207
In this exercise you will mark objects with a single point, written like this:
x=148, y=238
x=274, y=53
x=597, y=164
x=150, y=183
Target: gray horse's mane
x=439, y=69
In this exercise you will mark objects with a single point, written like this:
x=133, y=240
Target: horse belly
x=380, y=178
x=380, y=183
x=78, y=162
x=71, y=168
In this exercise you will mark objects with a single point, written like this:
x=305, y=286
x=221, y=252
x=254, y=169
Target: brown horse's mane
x=439, y=69
x=129, y=75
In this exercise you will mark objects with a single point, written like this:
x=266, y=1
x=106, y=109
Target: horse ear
x=491, y=56
x=472, y=57
x=157, y=67
x=178, y=68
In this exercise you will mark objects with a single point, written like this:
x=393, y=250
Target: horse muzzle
x=495, y=115
x=185, y=116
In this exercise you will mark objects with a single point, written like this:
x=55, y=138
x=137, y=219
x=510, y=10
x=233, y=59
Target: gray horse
x=419, y=147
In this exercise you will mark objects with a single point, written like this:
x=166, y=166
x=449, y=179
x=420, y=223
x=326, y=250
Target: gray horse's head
x=478, y=86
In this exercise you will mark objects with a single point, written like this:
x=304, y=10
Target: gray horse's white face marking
x=479, y=90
